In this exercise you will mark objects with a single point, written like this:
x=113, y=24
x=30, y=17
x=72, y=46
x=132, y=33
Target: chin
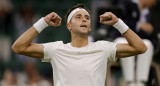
x=84, y=33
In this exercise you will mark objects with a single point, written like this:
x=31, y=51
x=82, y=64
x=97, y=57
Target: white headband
x=73, y=12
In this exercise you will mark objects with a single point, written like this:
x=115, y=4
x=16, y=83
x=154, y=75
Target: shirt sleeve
x=110, y=49
x=49, y=50
x=113, y=51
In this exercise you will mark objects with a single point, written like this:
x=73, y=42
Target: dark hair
x=74, y=7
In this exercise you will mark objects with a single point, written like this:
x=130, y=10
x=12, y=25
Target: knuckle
x=53, y=13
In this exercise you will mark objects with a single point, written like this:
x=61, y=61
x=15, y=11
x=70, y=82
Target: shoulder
x=106, y=46
x=104, y=43
x=53, y=43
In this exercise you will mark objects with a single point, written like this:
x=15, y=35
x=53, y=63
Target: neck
x=79, y=40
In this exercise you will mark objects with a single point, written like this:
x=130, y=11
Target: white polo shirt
x=84, y=66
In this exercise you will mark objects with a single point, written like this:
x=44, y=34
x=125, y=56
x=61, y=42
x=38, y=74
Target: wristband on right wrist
x=121, y=26
x=40, y=25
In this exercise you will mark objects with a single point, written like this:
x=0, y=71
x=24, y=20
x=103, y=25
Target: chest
x=78, y=59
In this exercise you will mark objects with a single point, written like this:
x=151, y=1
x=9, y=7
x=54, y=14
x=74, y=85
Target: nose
x=84, y=19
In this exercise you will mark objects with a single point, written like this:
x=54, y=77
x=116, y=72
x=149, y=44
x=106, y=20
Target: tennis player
x=79, y=63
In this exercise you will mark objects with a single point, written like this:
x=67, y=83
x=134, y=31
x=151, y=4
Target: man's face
x=80, y=22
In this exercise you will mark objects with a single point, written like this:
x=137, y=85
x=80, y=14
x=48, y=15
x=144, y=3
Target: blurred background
x=16, y=16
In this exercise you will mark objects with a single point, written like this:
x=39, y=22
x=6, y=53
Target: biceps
x=125, y=50
x=34, y=50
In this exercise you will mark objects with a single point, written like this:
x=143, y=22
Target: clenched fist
x=108, y=18
x=53, y=19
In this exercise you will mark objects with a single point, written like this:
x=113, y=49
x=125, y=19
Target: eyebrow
x=87, y=16
x=81, y=15
x=78, y=15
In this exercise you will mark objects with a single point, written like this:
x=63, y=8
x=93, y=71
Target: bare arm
x=135, y=44
x=23, y=44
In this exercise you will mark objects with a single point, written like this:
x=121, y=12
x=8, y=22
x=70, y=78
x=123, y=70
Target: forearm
x=24, y=41
x=23, y=44
x=135, y=44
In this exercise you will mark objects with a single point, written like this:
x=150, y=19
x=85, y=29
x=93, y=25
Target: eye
x=87, y=18
x=78, y=17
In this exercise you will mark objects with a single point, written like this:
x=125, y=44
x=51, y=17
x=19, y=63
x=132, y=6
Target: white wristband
x=40, y=25
x=121, y=26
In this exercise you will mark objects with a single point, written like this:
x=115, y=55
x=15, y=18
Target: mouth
x=84, y=26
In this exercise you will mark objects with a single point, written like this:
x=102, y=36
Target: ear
x=68, y=26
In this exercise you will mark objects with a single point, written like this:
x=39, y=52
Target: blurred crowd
x=19, y=70
x=142, y=19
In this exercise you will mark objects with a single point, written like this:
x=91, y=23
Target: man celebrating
x=79, y=63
